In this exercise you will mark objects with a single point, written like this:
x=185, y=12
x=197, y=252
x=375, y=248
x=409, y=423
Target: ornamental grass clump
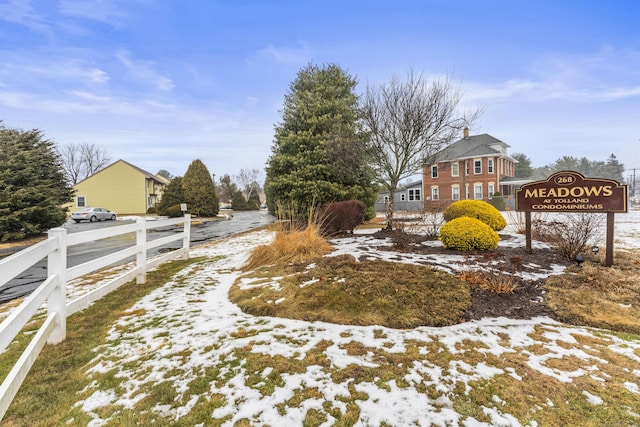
x=468, y=234
x=477, y=209
x=290, y=246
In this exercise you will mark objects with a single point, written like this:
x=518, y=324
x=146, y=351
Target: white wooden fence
x=53, y=289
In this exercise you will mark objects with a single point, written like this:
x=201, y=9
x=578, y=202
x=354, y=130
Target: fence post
x=186, y=240
x=141, y=253
x=57, y=301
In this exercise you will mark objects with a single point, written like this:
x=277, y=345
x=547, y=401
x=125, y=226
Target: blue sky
x=161, y=83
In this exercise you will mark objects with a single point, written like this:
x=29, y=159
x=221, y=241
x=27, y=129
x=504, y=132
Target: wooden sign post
x=570, y=191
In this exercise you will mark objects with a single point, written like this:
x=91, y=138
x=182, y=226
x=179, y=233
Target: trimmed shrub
x=338, y=217
x=468, y=234
x=173, y=211
x=152, y=210
x=477, y=209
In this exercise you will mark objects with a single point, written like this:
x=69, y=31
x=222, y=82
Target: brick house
x=474, y=167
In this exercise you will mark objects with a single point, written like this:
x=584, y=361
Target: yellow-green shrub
x=477, y=209
x=468, y=234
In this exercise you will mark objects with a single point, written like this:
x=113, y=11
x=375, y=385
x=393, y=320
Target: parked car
x=93, y=215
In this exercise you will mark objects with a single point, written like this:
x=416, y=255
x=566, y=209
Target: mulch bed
x=528, y=300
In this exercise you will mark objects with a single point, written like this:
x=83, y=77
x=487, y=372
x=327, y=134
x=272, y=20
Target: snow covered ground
x=189, y=326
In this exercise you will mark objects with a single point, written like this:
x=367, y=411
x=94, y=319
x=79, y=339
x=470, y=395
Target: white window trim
x=491, y=166
x=436, y=195
x=491, y=189
x=476, y=185
x=458, y=169
x=474, y=166
x=85, y=201
x=434, y=168
x=456, y=187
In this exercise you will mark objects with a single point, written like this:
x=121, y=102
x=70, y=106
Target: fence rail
x=53, y=289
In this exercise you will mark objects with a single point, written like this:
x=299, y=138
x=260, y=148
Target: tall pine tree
x=199, y=190
x=319, y=153
x=614, y=169
x=523, y=167
x=33, y=186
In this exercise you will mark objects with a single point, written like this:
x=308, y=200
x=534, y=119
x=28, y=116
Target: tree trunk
x=389, y=210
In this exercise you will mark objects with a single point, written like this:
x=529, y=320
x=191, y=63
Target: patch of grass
x=50, y=389
x=341, y=290
x=531, y=396
x=594, y=295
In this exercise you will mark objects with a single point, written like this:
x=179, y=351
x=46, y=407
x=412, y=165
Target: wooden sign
x=570, y=191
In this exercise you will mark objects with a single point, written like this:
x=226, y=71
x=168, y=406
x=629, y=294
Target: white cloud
x=108, y=11
x=59, y=70
x=605, y=75
x=143, y=71
x=22, y=12
x=287, y=55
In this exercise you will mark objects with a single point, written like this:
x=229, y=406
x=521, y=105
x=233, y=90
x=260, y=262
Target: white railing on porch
x=53, y=289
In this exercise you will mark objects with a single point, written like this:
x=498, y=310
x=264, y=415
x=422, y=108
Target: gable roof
x=146, y=174
x=473, y=146
x=403, y=187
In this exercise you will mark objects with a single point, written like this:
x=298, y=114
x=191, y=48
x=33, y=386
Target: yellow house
x=120, y=187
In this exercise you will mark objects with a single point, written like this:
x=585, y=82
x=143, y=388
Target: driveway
x=202, y=231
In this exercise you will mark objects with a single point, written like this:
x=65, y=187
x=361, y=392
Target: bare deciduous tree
x=226, y=189
x=409, y=122
x=82, y=160
x=248, y=182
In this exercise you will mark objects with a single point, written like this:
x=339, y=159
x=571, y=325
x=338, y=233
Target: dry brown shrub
x=498, y=282
x=570, y=233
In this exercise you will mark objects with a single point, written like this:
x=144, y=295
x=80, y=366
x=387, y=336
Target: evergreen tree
x=172, y=195
x=319, y=153
x=199, y=190
x=165, y=174
x=614, y=169
x=238, y=203
x=33, y=186
x=523, y=167
x=254, y=201
x=611, y=169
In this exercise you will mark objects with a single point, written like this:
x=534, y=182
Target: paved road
x=200, y=233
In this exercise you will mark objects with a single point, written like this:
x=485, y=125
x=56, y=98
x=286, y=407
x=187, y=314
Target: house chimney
x=466, y=132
